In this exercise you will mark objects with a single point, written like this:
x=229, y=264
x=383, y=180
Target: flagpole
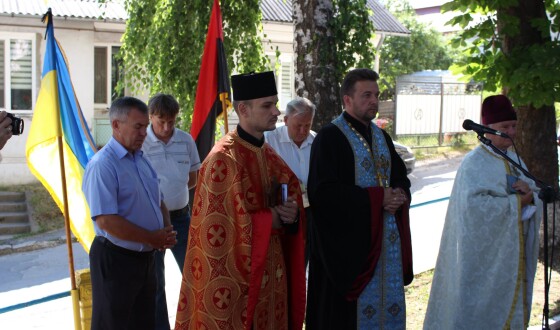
x=74, y=292
x=224, y=111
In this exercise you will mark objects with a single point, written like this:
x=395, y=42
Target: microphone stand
x=547, y=195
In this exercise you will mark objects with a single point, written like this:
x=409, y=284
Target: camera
x=17, y=124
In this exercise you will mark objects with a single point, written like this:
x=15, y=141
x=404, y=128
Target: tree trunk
x=536, y=128
x=315, y=58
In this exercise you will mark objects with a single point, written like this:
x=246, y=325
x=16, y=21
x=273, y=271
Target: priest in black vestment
x=361, y=255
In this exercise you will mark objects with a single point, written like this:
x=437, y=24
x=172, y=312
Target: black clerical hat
x=250, y=86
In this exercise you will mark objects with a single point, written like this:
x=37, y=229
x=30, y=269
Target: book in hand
x=511, y=179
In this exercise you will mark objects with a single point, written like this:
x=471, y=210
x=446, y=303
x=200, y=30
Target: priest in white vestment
x=488, y=253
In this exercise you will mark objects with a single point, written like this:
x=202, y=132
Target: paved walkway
x=33, y=242
x=33, y=275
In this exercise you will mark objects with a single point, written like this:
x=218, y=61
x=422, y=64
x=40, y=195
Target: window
x=283, y=68
x=16, y=73
x=286, y=91
x=107, y=74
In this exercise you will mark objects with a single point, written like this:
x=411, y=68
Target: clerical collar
x=249, y=138
x=361, y=128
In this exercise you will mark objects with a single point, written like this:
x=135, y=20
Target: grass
x=45, y=214
x=434, y=140
x=416, y=295
x=426, y=147
x=418, y=292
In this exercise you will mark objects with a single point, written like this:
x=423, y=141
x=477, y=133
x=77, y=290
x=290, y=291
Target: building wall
x=277, y=35
x=77, y=38
x=429, y=12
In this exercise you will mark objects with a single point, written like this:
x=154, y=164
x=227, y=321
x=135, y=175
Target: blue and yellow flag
x=58, y=114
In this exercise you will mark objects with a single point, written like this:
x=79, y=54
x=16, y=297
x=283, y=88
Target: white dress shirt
x=296, y=157
x=172, y=162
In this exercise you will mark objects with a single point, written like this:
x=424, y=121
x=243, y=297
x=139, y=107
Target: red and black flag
x=212, y=92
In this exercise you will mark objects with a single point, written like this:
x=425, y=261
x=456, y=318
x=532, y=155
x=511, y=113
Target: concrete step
x=14, y=217
x=14, y=228
x=5, y=238
x=13, y=207
x=12, y=196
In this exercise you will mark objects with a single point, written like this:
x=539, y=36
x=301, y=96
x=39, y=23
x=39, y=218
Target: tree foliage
x=527, y=70
x=425, y=49
x=353, y=30
x=164, y=41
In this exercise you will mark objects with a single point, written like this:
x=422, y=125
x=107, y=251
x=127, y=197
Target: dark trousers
x=161, y=315
x=181, y=224
x=181, y=221
x=309, y=219
x=123, y=287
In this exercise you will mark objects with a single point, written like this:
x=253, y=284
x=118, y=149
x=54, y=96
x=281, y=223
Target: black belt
x=114, y=247
x=179, y=213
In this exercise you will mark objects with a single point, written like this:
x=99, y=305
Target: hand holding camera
x=9, y=125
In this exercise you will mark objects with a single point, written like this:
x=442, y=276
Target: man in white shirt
x=293, y=143
x=173, y=154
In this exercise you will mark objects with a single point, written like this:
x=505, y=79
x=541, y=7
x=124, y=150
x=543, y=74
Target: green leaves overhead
x=510, y=48
x=164, y=41
x=353, y=31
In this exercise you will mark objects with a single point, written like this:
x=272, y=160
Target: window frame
x=108, y=50
x=7, y=37
x=286, y=59
x=276, y=65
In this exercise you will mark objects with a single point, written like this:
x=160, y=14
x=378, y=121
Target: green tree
x=425, y=49
x=332, y=36
x=164, y=41
x=509, y=47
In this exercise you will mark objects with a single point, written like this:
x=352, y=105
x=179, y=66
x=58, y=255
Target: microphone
x=469, y=125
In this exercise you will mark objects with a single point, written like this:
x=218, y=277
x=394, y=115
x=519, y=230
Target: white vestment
x=488, y=256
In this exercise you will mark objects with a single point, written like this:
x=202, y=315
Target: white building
x=429, y=12
x=90, y=35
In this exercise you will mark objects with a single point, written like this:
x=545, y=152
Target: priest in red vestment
x=244, y=267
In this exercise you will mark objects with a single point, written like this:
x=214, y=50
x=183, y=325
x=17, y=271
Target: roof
x=383, y=20
x=79, y=9
x=417, y=4
x=272, y=10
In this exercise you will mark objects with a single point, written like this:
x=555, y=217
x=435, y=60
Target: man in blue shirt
x=130, y=221
x=173, y=154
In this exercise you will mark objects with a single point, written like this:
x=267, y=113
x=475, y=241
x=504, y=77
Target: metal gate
x=435, y=103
